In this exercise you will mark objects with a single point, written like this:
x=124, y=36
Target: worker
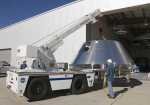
x=110, y=67
x=24, y=65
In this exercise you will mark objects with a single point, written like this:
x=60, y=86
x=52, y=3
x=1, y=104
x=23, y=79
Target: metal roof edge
x=125, y=9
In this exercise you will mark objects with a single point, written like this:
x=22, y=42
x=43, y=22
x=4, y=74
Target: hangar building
x=125, y=20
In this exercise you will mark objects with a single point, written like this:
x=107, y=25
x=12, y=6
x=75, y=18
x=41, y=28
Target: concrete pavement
x=139, y=95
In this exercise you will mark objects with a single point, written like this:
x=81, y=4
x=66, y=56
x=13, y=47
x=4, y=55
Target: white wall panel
x=68, y=51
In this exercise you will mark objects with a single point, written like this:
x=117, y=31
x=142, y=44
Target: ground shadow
x=118, y=82
x=55, y=94
x=121, y=91
x=123, y=82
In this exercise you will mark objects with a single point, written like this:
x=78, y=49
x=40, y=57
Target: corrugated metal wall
x=5, y=55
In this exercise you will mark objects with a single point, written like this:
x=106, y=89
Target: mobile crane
x=35, y=79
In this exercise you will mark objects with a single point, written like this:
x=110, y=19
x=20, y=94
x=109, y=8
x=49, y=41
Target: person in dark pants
x=24, y=65
x=110, y=67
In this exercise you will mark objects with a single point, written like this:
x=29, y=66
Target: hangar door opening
x=130, y=26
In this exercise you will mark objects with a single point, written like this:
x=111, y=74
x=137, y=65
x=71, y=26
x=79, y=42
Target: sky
x=12, y=11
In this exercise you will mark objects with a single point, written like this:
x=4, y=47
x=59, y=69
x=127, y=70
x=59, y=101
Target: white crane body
x=33, y=66
x=44, y=53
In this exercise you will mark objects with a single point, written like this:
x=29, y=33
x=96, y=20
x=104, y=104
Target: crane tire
x=37, y=89
x=79, y=84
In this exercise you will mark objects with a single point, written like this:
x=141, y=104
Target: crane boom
x=54, y=43
x=61, y=34
x=43, y=55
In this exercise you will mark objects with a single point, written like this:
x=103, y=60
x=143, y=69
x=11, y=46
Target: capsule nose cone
x=100, y=51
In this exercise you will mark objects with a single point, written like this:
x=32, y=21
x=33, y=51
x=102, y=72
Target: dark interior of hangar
x=131, y=26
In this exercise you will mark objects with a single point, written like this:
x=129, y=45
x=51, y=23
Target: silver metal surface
x=98, y=52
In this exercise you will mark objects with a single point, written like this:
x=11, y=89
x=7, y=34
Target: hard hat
x=109, y=61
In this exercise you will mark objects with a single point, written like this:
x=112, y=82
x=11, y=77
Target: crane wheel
x=37, y=89
x=79, y=84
